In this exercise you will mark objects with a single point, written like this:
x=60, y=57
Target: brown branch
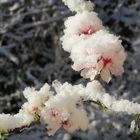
x=22, y=128
x=5, y=134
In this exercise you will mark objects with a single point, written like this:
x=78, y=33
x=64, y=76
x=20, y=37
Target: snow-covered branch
x=63, y=108
x=94, y=51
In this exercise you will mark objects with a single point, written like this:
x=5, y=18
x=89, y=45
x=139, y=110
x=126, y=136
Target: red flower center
x=89, y=31
x=35, y=109
x=107, y=61
x=66, y=123
x=54, y=113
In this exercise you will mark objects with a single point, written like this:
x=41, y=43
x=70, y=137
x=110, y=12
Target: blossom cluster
x=26, y=115
x=93, y=50
x=62, y=110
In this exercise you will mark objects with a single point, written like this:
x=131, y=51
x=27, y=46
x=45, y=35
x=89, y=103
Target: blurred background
x=31, y=54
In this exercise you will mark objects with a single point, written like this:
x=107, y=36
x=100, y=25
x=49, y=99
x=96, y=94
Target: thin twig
x=41, y=23
x=9, y=55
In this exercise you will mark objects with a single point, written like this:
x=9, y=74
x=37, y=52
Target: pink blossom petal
x=105, y=74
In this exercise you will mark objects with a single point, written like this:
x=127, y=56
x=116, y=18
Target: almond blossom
x=64, y=109
x=26, y=115
x=93, y=50
x=36, y=98
x=80, y=27
x=102, y=53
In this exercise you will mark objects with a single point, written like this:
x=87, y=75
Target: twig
x=28, y=13
x=41, y=23
x=33, y=78
x=9, y=55
x=5, y=1
x=100, y=104
x=5, y=134
x=19, y=38
x=20, y=129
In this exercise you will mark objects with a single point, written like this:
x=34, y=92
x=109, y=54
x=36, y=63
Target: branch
x=4, y=134
x=9, y=55
x=64, y=107
x=42, y=23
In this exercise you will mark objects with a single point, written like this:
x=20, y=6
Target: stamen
x=107, y=61
x=89, y=31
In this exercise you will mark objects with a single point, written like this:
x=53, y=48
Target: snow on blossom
x=79, y=5
x=25, y=116
x=65, y=110
x=10, y=122
x=102, y=53
x=80, y=27
x=133, y=126
x=93, y=51
x=126, y=106
x=95, y=91
x=35, y=99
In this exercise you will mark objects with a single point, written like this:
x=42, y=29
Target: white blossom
x=36, y=98
x=80, y=27
x=35, y=103
x=93, y=49
x=64, y=109
x=102, y=53
x=79, y=5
